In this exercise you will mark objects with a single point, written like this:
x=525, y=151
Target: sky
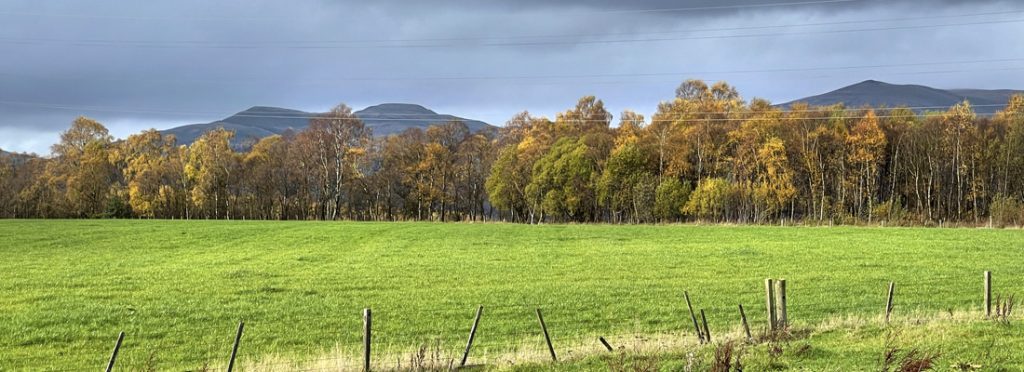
x=135, y=65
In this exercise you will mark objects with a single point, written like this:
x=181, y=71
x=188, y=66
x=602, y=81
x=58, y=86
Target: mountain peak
x=268, y=109
x=396, y=108
x=872, y=82
x=261, y=121
x=876, y=93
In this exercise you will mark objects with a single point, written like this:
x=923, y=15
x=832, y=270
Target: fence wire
x=438, y=335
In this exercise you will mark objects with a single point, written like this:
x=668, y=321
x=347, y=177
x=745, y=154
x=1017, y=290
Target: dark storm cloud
x=133, y=65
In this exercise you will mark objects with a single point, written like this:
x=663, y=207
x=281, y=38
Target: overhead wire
x=278, y=18
x=686, y=118
x=510, y=37
x=154, y=44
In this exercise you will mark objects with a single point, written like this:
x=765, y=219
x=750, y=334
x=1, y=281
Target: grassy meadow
x=179, y=288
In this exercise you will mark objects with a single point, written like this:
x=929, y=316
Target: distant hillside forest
x=705, y=155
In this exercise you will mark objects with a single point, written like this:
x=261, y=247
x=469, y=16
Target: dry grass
x=726, y=352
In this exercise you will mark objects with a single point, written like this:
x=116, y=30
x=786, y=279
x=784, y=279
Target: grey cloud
x=139, y=64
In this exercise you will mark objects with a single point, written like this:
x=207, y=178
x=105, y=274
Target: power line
x=325, y=46
x=375, y=119
x=791, y=25
x=610, y=75
x=724, y=7
x=613, y=11
x=515, y=37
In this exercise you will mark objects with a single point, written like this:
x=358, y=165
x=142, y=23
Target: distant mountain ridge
x=18, y=158
x=876, y=93
x=263, y=121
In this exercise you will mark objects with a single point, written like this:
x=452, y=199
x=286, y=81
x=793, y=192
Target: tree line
x=705, y=155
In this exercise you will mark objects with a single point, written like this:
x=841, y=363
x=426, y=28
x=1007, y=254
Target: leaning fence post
x=888, y=302
x=472, y=334
x=780, y=304
x=693, y=316
x=547, y=337
x=234, y=349
x=988, y=293
x=746, y=326
x=707, y=332
x=113, y=355
x=367, y=326
x=770, y=303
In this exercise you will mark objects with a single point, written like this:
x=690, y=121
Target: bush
x=891, y=212
x=711, y=199
x=1006, y=211
x=670, y=198
x=117, y=207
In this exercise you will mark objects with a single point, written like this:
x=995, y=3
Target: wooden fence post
x=780, y=304
x=234, y=349
x=746, y=326
x=707, y=332
x=113, y=355
x=693, y=316
x=367, y=337
x=988, y=293
x=888, y=302
x=547, y=337
x=605, y=343
x=472, y=334
x=769, y=289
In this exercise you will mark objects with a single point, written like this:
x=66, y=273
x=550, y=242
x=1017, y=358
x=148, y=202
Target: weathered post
x=113, y=355
x=988, y=293
x=693, y=316
x=746, y=326
x=707, y=332
x=769, y=288
x=780, y=304
x=367, y=337
x=888, y=302
x=234, y=349
x=547, y=338
x=472, y=334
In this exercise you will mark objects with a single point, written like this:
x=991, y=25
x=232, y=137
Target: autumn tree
x=340, y=140
x=865, y=152
x=146, y=161
x=8, y=199
x=77, y=181
x=211, y=166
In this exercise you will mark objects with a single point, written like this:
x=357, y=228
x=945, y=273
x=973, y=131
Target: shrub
x=710, y=200
x=1006, y=211
x=890, y=212
x=670, y=198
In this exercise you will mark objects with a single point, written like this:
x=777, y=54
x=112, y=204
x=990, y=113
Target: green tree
x=671, y=199
x=563, y=181
x=711, y=200
x=625, y=187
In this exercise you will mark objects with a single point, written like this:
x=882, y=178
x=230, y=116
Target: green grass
x=179, y=288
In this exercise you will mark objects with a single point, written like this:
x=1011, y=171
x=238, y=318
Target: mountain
x=876, y=93
x=261, y=121
x=17, y=158
x=391, y=118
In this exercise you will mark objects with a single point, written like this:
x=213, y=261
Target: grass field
x=179, y=288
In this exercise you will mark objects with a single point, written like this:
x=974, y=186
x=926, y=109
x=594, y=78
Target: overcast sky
x=139, y=64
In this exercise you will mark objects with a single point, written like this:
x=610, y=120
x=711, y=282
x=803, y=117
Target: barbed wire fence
x=395, y=338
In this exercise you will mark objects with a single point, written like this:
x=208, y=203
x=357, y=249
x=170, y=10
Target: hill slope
x=261, y=121
x=876, y=93
x=17, y=158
